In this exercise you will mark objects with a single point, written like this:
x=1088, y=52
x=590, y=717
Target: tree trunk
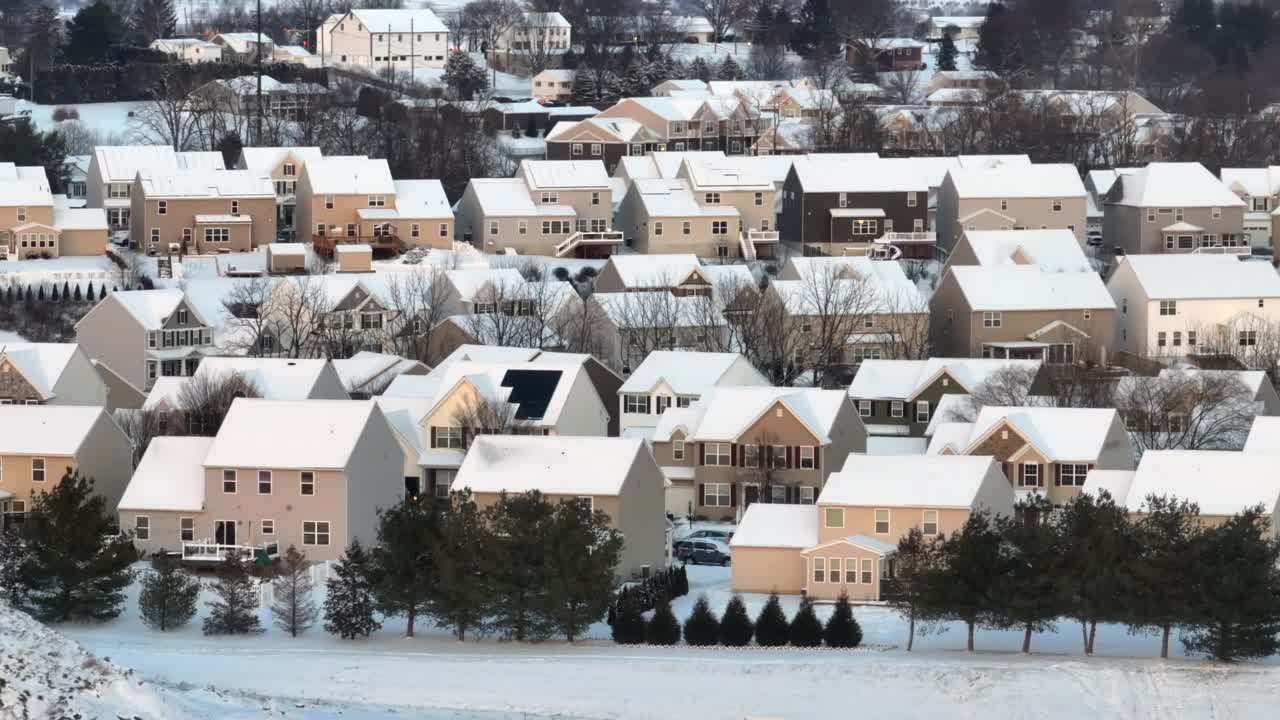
x=911, y=631
x=1093, y=635
x=413, y=615
x=1164, y=642
x=1026, y=639
x=969, y=645
x=1084, y=635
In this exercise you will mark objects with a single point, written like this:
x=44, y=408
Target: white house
x=672, y=378
x=536, y=31
x=553, y=84
x=381, y=39
x=188, y=50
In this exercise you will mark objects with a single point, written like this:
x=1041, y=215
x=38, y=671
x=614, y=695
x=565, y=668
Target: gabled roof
x=24, y=186
x=686, y=373
x=1199, y=277
x=1027, y=287
x=1221, y=483
x=46, y=429
x=170, y=476
x=422, y=199
x=383, y=21
x=935, y=481
x=873, y=286
x=350, y=175
x=817, y=173
x=322, y=434
x=1172, y=184
x=365, y=369
x=151, y=308
x=1053, y=180
x=671, y=109
x=1061, y=434
x=1264, y=435
x=725, y=173
x=631, y=310
x=502, y=197
x=535, y=393
x=903, y=379
x=67, y=218
x=470, y=282
x=1050, y=250
x=545, y=19
x=564, y=174
x=620, y=129
x=267, y=159
x=176, y=183
x=664, y=198
x=273, y=378
x=552, y=464
x=42, y=364
x=1253, y=182
x=777, y=526
x=727, y=412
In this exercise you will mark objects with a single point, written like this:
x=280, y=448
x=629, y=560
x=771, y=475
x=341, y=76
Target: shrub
x=662, y=628
x=65, y=113
x=805, y=629
x=842, y=629
x=561, y=274
x=736, y=627
x=628, y=622
x=771, y=625
x=702, y=628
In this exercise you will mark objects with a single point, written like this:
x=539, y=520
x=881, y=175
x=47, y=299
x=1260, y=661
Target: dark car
x=702, y=551
x=712, y=533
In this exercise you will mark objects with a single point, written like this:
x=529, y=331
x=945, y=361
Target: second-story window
x=182, y=316
x=712, y=198
x=448, y=437
x=289, y=170
x=328, y=202
x=307, y=484
x=635, y=404
x=264, y=482
x=235, y=207
x=377, y=200
x=162, y=208
x=717, y=454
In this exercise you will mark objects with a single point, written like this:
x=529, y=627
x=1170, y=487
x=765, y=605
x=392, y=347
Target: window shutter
x=702, y=455
x=1057, y=476
x=817, y=457
x=433, y=435
x=1005, y=468
x=733, y=495
x=733, y=455
x=431, y=482
x=741, y=454
x=791, y=494
x=791, y=453
x=647, y=408
x=1039, y=476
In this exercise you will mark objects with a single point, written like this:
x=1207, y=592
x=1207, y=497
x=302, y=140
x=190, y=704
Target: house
x=960, y=27
x=6, y=63
x=1022, y=312
x=739, y=445
x=347, y=199
x=114, y=168
x=617, y=476
x=240, y=96
x=295, y=54
x=631, y=325
x=904, y=397
x=284, y=166
x=244, y=47
x=1098, y=183
x=49, y=374
x=1247, y=480
x=1172, y=306
x=1172, y=208
x=846, y=542
x=251, y=489
x=1264, y=435
x=1047, y=451
x=39, y=444
x=551, y=207
x=201, y=212
x=34, y=224
x=536, y=32
x=984, y=80
x=555, y=85
x=529, y=120
x=1010, y=197
x=270, y=379
x=677, y=274
x=188, y=50
x=1259, y=188
x=366, y=374
x=143, y=335
x=886, y=54
x=1184, y=403
x=77, y=179
x=669, y=378
x=425, y=217
x=669, y=88
x=1049, y=250
x=399, y=40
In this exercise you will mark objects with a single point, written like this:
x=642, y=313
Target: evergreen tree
x=736, y=627
x=771, y=624
x=231, y=146
x=79, y=297
x=521, y=527
x=805, y=629
x=1158, y=595
x=699, y=70
x=1027, y=587
x=947, y=53
x=842, y=630
x=662, y=628
x=1097, y=554
x=40, y=294
x=169, y=595
x=53, y=293
x=293, y=607
x=73, y=572
x=586, y=91
x=815, y=29
x=66, y=290
x=996, y=40
x=783, y=26
x=464, y=77
x=729, y=69
x=94, y=34
x=403, y=568
x=153, y=20
x=702, y=627
x=635, y=81
x=15, y=553
x=22, y=144
x=349, y=604
x=1237, y=587
x=102, y=292
x=972, y=563
x=761, y=25
x=459, y=598
x=582, y=557
x=235, y=610
x=916, y=563
x=628, y=621
x=42, y=44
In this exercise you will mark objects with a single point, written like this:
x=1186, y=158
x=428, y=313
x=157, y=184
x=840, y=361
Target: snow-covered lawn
x=107, y=118
x=434, y=676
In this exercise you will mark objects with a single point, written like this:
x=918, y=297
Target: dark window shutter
x=733, y=455
x=817, y=457
x=433, y=435
x=702, y=455
x=431, y=481
x=791, y=494
x=791, y=453
x=1005, y=467
x=1057, y=475
x=702, y=494
x=1040, y=475
x=647, y=407
x=733, y=495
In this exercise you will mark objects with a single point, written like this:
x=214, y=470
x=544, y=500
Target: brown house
x=838, y=207
x=887, y=54
x=202, y=211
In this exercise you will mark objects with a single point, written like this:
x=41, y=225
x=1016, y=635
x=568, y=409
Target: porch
x=208, y=552
x=590, y=244
x=757, y=244
x=382, y=243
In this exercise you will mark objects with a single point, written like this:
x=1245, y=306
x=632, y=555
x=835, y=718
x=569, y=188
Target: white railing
x=748, y=248
x=908, y=237
x=1223, y=250
x=762, y=236
x=600, y=237
x=205, y=551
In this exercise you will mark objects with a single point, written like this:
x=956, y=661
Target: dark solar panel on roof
x=531, y=391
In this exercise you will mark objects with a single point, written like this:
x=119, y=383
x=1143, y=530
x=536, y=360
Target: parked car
x=1095, y=237
x=711, y=533
x=703, y=551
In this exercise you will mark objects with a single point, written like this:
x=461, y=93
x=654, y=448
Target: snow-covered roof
x=1172, y=184
x=267, y=159
x=960, y=21
x=366, y=368
x=558, y=74
x=121, y=163
x=383, y=21
x=934, y=481
x=175, y=183
x=670, y=270
x=46, y=429
x=1027, y=287
x=683, y=84
x=564, y=174
x=1252, y=182
x=672, y=109
x=239, y=41
x=952, y=437
x=1253, y=380
x=1264, y=435
x=551, y=464
x=686, y=373
x=708, y=172
x=664, y=198
x=24, y=185
x=502, y=197
x=727, y=412
x=470, y=282
x=273, y=378
x=321, y=433
x=1062, y=434
x=1050, y=250
x=1195, y=276
x=67, y=218
x=817, y=173
x=545, y=19
x=777, y=526
x=151, y=308
x=507, y=384
x=902, y=379
x=873, y=286
x=170, y=476
x=42, y=364
x=622, y=129
x=1221, y=483
x=1053, y=180
x=630, y=310
x=350, y=175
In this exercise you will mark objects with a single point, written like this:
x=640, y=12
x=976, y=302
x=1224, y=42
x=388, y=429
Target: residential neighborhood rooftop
x=942, y=481
x=552, y=465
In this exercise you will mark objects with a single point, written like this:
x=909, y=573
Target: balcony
x=901, y=238
x=583, y=240
x=381, y=244
x=212, y=552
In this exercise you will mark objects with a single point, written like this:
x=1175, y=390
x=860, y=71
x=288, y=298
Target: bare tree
x=485, y=416
x=769, y=61
x=722, y=15
x=419, y=301
x=168, y=119
x=141, y=427
x=205, y=399
x=903, y=86
x=904, y=320
x=1187, y=410
x=829, y=303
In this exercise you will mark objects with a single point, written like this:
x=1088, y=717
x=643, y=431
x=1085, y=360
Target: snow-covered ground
x=107, y=119
x=434, y=676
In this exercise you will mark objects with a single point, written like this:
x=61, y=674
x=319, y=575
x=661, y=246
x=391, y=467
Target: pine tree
x=635, y=81
x=762, y=23
x=662, y=628
x=702, y=627
x=771, y=624
x=169, y=595
x=1237, y=585
x=73, y=572
x=699, y=70
x=521, y=526
x=53, y=293
x=842, y=630
x=15, y=553
x=349, y=605
x=403, y=566
x=235, y=609
x=459, y=598
x=582, y=558
x=102, y=292
x=972, y=562
x=42, y=44
x=947, y=53
x=464, y=77
x=805, y=629
x=1027, y=587
x=79, y=297
x=729, y=69
x=917, y=578
x=736, y=627
x=66, y=290
x=815, y=29
x=94, y=34
x=1098, y=549
x=628, y=621
x=293, y=607
x=153, y=20
x=1157, y=594
x=996, y=35
x=230, y=146
x=586, y=91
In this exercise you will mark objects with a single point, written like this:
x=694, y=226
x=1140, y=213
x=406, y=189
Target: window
x=597, y=149
x=911, y=199
x=162, y=208
x=719, y=227
x=550, y=198
x=229, y=482
x=991, y=319
x=833, y=517
x=264, y=482
x=315, y=533
x=235, y=207
x=119, y=190
x=415, y=230
x=895, y=409
x=1029, y=475
x=289, y=169
x=834, y=565
x=307, y=484
x=1057, y=206
x=328, y=202
x=808, y=457
x=1088, y=314
x=778, y=456
x=922, y=411
x=1004, y=205
x=1062, y=353
x=576, y=149
x=187, y=529
x=819, y=570
x=268, y=527
x=1161, y=339
x=448, y=437
x=844, y=200
x=716, y=495
x=882, y=522
x=217, y=235
x=1168, y=307
x=635, y=404
x=751, y=456
x=1177, y=339
x=677, y=450
x=1151, y=214
x=864, y=408
x=493, y=227
x=929, y=526
x=1191, y=337
x=868, y=566
x=595, y=198
x=142, y=527
x=1072, y=475
x=686, y=228
x=759, y=199
x=711, y=198
x=806, y=495
x=1248, y=338
x=717, y=454
x=657, y=229
x=155, y=235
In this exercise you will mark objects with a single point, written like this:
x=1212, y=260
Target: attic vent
x=779, y=412
x=1004, y=434
x=946, y=382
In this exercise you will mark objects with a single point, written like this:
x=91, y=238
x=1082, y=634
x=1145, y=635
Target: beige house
x=847, y=542
x=346, y=199
x=284, y=166
x=252, y=489
x=39, y=444
x=1022, y=312
x=552, y=207
x=33, y=225
x=628, y=326
x=554, y=85
x=741, y=445
x=374, y=39
x=615, y=475
x=49, y=374
x=1010, y=197
x=424, y=217
x=188, y=50
x=536, y=32
x=244, y=47
x=1173, y=208
x=114, y=168
x=143, y=335
x=677, y=379
x=202, y=212
x=1049, y=250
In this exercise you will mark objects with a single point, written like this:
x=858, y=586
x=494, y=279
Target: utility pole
x=257, y=119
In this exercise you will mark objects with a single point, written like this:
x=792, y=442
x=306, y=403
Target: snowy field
x=434, y=676
x=107, y=118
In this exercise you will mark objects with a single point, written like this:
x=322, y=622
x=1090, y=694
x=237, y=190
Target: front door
x=224, y=532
